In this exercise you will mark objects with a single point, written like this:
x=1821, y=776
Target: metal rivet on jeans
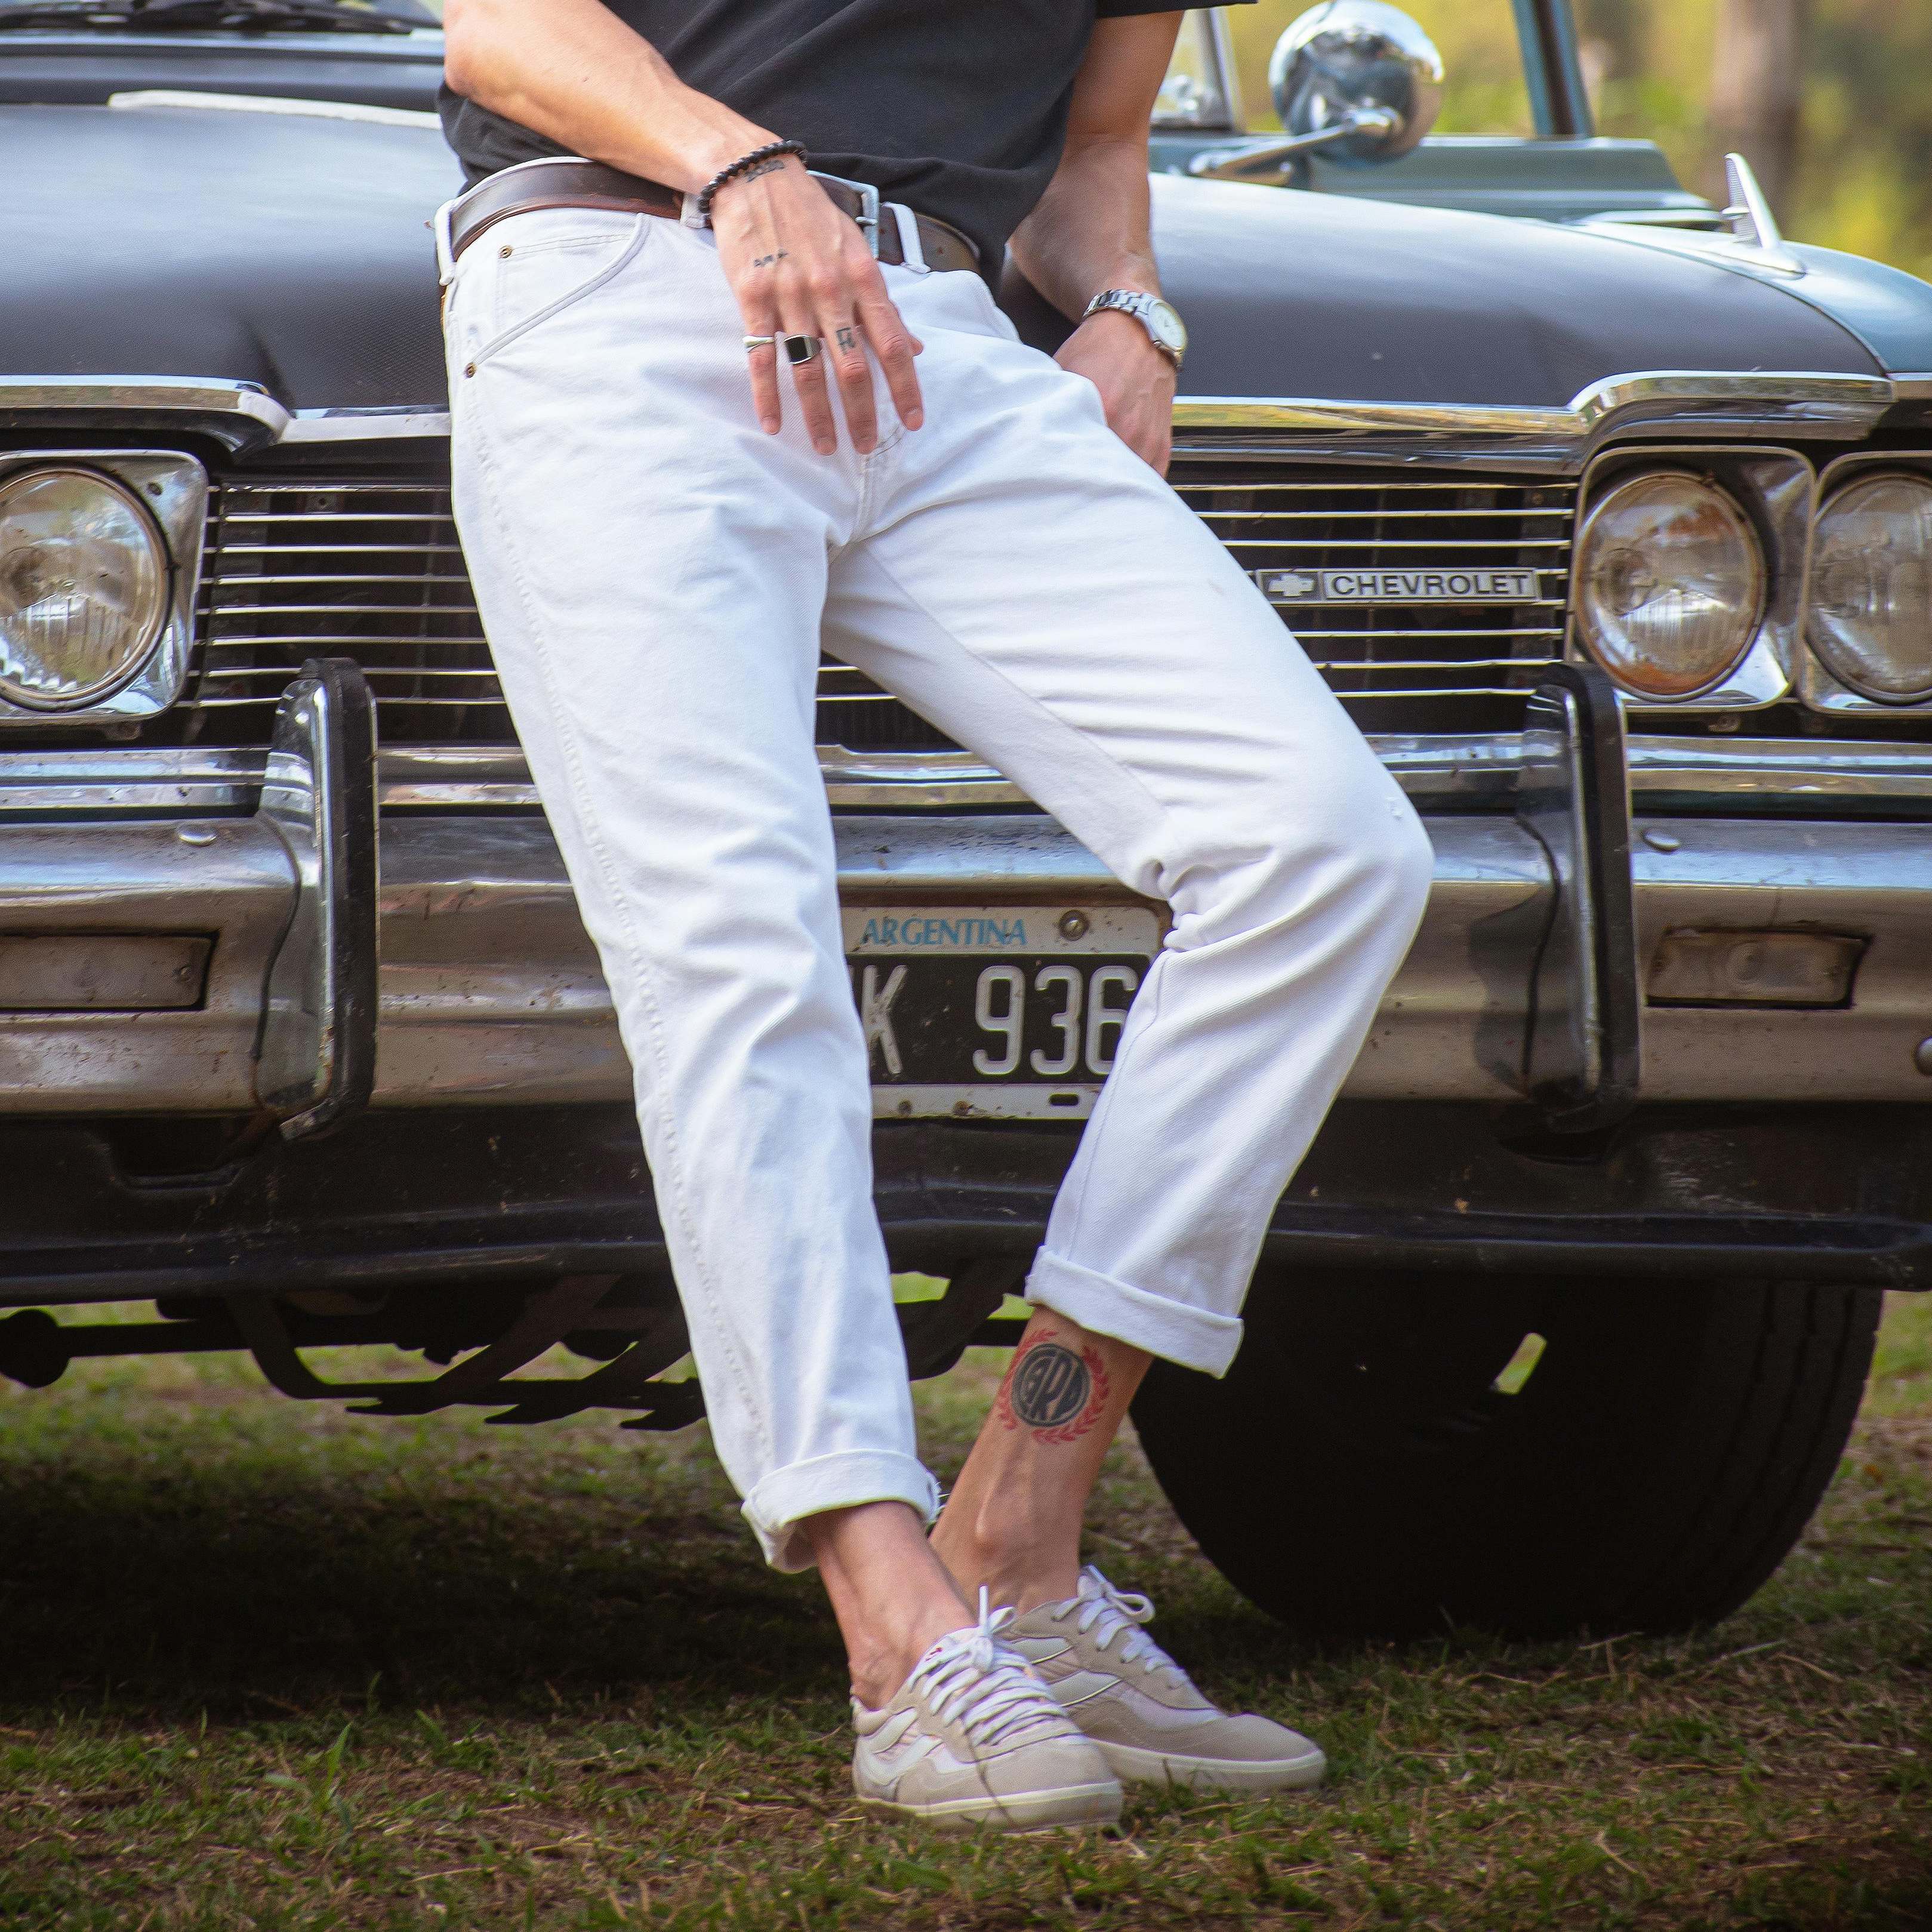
x=504, y=252
x=469, y=368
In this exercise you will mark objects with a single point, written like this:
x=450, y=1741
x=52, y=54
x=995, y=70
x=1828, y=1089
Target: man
x=699, y=430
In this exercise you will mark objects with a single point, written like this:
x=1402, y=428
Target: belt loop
x=912, y=254
x=693, y=216
x=446, y=260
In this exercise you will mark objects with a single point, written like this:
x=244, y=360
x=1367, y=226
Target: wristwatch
x=1162, y=322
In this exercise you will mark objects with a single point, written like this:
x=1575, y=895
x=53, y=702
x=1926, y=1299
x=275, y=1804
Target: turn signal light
x=1754, y=969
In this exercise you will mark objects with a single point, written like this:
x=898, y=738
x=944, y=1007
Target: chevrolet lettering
x=1400, y=586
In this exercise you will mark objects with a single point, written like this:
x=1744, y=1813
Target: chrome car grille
x=1424, y=540
x=372, y=569
x=367, y=570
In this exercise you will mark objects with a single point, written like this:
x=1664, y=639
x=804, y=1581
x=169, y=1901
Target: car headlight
x=1670, y=583
x=83, y=587
x=1871, y=587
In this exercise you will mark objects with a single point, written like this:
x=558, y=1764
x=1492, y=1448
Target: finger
x=893, y=344
x=761, y=365
x=845, y=345
x=808, y=381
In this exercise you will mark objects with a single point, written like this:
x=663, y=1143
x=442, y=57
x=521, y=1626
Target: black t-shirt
x=956, y=107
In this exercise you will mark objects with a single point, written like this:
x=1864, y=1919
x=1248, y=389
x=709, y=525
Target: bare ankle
x=1019, y=1569
x=893, y=1601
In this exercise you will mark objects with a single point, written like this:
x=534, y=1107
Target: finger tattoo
x=848, y=340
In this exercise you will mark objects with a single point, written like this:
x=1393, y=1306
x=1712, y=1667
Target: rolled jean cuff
x=1196, y=1338
x=776, y=1506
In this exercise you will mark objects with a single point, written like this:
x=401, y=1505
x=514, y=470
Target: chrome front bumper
x=490, y=992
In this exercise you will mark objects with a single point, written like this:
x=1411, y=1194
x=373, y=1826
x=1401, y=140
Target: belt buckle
x=868, y=216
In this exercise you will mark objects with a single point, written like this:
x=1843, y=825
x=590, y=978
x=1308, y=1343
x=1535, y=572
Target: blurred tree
x=1611, y=33
x=1757, y=90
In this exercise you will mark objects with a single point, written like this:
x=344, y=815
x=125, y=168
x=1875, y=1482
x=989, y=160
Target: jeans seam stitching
x=647, y=990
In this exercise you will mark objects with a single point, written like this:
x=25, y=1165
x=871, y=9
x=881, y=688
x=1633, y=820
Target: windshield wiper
x=330, y=16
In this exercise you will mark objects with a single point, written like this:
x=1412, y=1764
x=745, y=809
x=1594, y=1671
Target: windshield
x=1200, y=81
x=1485, y=92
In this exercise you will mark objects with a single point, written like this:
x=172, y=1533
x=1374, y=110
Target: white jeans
x=657, y=577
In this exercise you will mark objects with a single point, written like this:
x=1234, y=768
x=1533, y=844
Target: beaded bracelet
x=771, y=151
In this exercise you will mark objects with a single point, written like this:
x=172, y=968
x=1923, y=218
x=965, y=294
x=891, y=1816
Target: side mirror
x=1356, y=79
x=1360, y=76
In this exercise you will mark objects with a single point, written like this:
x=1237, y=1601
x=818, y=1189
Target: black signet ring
x=800, y=348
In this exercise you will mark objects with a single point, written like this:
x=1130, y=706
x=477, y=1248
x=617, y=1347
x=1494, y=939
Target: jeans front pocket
x=538, y=265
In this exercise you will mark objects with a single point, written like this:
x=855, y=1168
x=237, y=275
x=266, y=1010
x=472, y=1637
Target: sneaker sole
x=1023, y=1811
x=1131, y=1764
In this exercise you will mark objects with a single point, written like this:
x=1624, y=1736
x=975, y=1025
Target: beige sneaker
x=973, y=1738
x=1137, y=1704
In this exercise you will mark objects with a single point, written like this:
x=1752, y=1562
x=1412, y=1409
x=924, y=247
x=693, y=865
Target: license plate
x=995, y=1012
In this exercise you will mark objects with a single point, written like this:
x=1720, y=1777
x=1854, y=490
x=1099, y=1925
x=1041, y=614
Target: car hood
x=287, y=250
x=1307, y=295
x=294, y=252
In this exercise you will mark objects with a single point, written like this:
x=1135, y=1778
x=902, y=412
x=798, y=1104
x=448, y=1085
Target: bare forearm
x=573, y=71
x=1091, y=229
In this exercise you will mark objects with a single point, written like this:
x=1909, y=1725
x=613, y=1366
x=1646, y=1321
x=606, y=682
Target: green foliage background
x=1865, y=164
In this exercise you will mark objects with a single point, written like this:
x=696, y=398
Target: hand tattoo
x=768, y=167
x=847, y=341
x=1058, y=1394
x=766, y=261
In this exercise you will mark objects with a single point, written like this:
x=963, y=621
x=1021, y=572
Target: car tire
x=1359, y=1472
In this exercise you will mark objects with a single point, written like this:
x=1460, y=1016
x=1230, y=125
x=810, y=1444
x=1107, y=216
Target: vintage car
x=1608, y=513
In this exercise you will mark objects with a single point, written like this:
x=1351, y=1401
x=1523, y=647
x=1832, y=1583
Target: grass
x=263, y=1664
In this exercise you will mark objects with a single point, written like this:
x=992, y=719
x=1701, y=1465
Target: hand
x=799, y=266
x=1136, y=381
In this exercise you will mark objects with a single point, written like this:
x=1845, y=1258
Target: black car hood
x=294, y=252
x=1307, y=295
x=287, y=250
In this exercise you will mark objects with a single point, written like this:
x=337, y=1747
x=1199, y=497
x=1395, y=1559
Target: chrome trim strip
x=1822, y=398
x=1294, y=416
x=247, y=406
x=364, y=425
x=1466, y=769
x=267, y=103
x=1780, y=772
x=1799, y=402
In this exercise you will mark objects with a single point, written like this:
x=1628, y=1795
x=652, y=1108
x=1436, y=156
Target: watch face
x=1168, y=329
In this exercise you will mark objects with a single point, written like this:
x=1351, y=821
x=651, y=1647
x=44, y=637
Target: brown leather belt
x=566, y=184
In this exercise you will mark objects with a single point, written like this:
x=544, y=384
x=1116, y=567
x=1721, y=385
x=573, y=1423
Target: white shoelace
x=1112, y=1613
x=971, y=1678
